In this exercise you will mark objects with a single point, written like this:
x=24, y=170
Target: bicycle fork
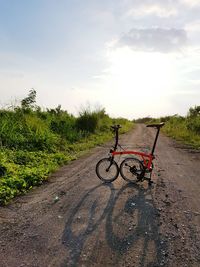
x=111, y=162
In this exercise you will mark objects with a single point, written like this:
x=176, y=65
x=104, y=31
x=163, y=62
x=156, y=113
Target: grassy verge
x=177, y=128
x=184, y=129
x=33, y=144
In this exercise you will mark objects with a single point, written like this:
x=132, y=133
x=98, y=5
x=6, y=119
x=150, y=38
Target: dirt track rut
x=75, y=220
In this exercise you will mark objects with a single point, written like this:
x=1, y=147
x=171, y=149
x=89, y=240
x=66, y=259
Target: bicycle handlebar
x=115, y=127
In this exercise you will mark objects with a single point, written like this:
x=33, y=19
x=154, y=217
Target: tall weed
x=34, y=143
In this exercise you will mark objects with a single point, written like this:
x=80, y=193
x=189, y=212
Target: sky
x=135, y=58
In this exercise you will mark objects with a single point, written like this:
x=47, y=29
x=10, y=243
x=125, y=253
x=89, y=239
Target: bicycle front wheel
x=107, y=170
x=132, y=170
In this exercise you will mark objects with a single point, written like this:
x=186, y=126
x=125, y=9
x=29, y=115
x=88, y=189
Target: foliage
x=35, y=142
x=184, y=129
x=27, y=131
x=143, y=120
x=193, y=124
x=29, y=101
x=88, y=121
x=194, y=112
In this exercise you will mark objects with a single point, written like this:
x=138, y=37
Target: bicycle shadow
x=80, y=225
x=135, y=227
x=130, y=225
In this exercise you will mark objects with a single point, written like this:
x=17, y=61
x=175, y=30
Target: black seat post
x=116, y=138
x=155, y=141
x=115, y=129
x=157, y=126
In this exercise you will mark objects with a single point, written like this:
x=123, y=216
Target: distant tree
x=58, y=109
x=144, y=120
x=194, y=112
x=29, y=101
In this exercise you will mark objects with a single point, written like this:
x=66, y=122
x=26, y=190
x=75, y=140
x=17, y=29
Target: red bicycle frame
x=146, y=158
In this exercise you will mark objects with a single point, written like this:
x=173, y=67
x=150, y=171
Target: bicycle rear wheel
x=132, y=170
x=107, y=170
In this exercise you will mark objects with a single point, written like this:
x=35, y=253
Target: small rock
x=176, y=226
x=56, y=199
x=62, y=193
x=163, y=252
x=186, y=211
x=167, y=202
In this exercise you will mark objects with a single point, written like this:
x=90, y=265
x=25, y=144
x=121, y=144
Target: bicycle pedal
x=150, y=182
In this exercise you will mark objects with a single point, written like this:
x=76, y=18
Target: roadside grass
x=184, y=129
x=35, y=143
x=178, y=129
x=26, y=169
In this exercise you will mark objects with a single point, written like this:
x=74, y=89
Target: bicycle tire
x=107, y=170
x=132, y=170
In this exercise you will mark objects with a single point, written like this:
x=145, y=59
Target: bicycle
x=132, y=169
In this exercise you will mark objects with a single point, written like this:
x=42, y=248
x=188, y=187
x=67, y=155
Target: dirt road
x=76, y=220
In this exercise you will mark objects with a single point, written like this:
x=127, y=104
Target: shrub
x=34, y=143
x=87, y=121
x=193, y=124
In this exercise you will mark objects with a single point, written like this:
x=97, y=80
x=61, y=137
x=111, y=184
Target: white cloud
x=193, y=26
x=152, y=9
x=154, y=39
x=76, y=59
x=191, y=3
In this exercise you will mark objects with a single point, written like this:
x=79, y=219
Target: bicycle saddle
x=156, y=125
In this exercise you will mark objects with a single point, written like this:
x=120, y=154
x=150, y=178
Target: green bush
x=193, y=124
x=87, y=121
x=34, y=143
x=185, y=129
